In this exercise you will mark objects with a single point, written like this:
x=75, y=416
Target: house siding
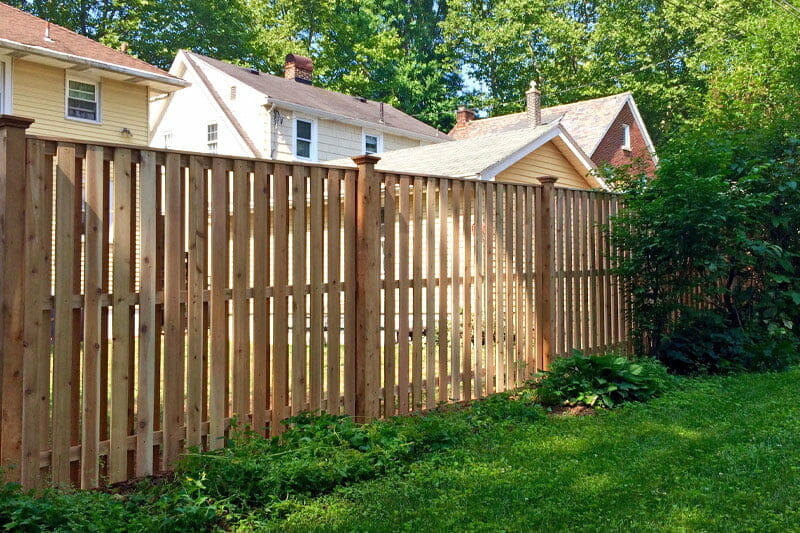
x=610, y=148
x=188, y=112
x=547, y=160
x=39, y=93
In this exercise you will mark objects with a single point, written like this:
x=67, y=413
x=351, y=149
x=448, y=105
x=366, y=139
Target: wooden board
x=443, y=311
x=299, y=393
x=389, y=295
x=403, y=329
x=196, y=248
x=261, y=266
x=121, y=318
x=417, y=283
x=174, y=280
x=280, y=317
x=241, y=282
x=146, y=385
x=218, y=304
x=430, y=295
x=334, y=258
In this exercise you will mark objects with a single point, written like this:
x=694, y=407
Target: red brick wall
x=610, y=148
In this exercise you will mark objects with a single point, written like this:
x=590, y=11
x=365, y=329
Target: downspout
x=273, y=128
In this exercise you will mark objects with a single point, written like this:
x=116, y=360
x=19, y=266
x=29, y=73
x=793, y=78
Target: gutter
x=355, y=121
x=94, y=63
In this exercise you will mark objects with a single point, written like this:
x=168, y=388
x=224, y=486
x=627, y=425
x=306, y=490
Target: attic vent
x=361, y=99
x=253, y=71
x=233, y=92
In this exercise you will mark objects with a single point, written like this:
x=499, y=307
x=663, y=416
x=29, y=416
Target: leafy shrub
x=601, y=381
x=175, y=507
x=701, y=342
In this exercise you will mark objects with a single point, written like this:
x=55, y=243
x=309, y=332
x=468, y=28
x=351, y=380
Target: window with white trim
x=626, y=137
x=211, y=137
x=167, y=139
x=304, y=143
x=373, y=144
x=2, y=87
x=83, y=101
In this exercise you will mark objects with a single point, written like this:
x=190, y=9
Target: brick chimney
x=464, y=116
x=533, y=99
x=299, y=68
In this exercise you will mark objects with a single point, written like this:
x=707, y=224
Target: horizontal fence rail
x=153, y=299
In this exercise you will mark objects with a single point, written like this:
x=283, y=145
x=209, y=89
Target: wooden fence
x=151, y=297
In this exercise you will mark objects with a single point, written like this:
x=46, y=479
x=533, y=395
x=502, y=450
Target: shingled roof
x=30, y=34
x=478, y=157
x=316, y=98
x=586, y=121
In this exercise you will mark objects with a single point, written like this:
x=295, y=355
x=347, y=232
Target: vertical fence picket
x=334, y=290
x=480, y=288
x=443, y=311
x=197, y=213
x=299, y=395
x=430, y=295
x=455, y=295
x=416, y=277
x=241, y=303
x=261, y=264
x=389, y=292
x=218, y=305
x=317, y=260
x=280, y=317
x=403, y=330
x=146, y=386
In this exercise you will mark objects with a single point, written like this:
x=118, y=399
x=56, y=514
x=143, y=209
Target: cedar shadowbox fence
x=151, y=297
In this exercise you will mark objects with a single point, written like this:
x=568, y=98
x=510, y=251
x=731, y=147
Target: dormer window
x=83, y=101
x=626, y=137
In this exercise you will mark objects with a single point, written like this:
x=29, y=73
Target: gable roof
x=587, y=121
x=477, y=157
x=290, y=93
x=28, y=34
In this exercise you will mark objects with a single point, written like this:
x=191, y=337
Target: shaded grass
x=718, y=454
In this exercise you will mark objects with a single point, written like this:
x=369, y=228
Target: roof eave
x=165, y=82
x=355, y=121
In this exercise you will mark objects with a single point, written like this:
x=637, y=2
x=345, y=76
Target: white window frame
x=626, y=137
x=215, y=142
x=313, y=150
x=98, y=95
x=6, y=102
x=168, y=139
x=378, y=136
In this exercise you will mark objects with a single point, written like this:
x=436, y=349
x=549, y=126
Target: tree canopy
x=429, y=56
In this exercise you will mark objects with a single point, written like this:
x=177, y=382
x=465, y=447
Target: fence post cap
x=13, y=121
x=365, y=159
x=547, y=180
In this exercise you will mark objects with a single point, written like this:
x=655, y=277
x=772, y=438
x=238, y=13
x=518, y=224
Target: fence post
x=545, y=259
x=367, y=267
x=13, y=156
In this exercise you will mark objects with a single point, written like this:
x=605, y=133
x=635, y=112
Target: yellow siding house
x=72, y=86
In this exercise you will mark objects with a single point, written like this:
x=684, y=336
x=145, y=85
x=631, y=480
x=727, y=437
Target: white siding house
x=238, y=111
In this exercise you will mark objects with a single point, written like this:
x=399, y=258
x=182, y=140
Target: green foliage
x=680, y=59
x=601, y=381
x=151, y=507
x=716, y=454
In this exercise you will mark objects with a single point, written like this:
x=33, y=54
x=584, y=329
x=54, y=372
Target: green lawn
x=718, y=454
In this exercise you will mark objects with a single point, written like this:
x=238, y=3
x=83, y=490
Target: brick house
x=608, y=129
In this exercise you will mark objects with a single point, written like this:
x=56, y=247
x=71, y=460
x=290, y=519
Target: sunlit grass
x=719, y=454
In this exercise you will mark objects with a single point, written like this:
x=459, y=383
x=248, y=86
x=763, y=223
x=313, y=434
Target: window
x=373, y=144
x=83, y=102
x=304, y=144
x=211, y=137
x=2, y=87
x=626, y=137
x=233, y=92
x=167, y=139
